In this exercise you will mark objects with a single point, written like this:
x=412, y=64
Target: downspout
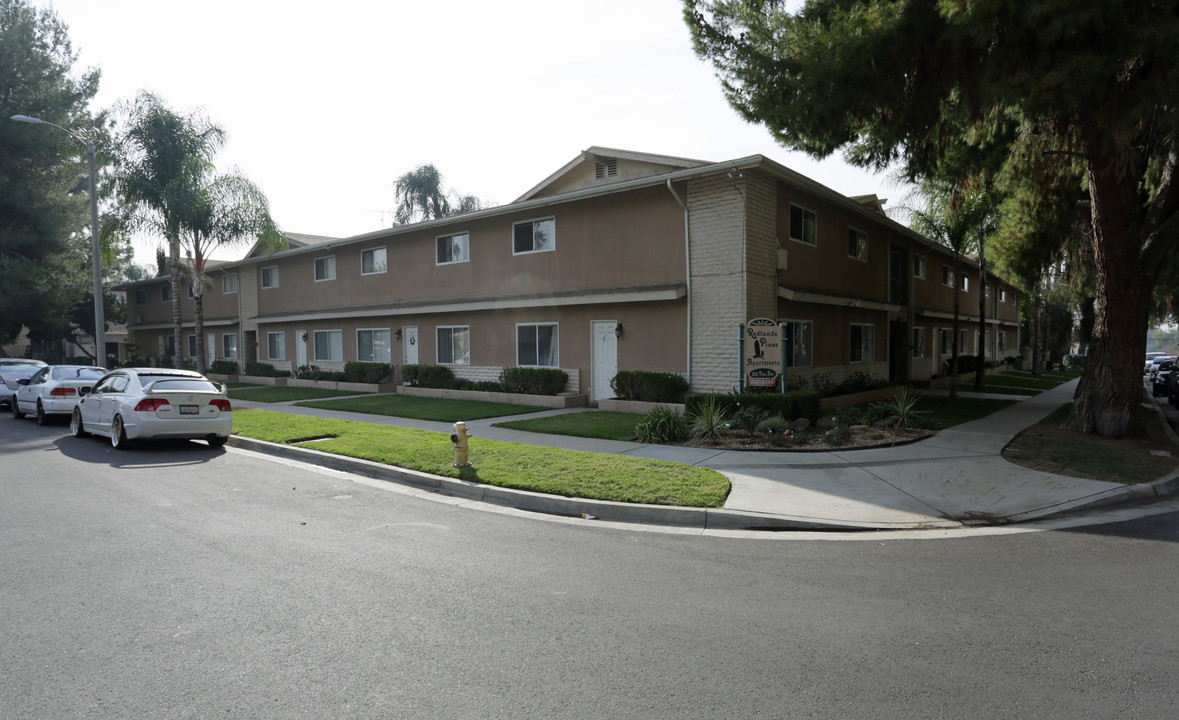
x=688, y=277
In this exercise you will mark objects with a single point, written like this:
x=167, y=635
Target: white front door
x=300, y=348
x=211, y=348
x=605, y=359
x=410, y=345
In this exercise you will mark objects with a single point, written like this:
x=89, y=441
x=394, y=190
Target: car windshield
x=19, y=367
x=180, y=385
x=77, y=373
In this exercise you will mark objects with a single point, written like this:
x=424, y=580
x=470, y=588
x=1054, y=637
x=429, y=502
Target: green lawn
x=1025, y=380
x=946, y=412
x=422, y=408
x=601, y=424
x=568, y=473
x=279, y=393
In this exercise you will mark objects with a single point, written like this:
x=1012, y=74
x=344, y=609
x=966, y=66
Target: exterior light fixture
x=397, y=334
x=618, y=330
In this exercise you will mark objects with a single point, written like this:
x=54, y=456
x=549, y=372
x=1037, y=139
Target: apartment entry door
x=410, y=345
x=605, y=359
x=300, y=348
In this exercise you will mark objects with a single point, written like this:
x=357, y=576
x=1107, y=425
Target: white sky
x=327, y=103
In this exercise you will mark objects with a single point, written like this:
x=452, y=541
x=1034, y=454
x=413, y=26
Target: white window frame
x=533, y=223
x=466, y=247
x=372, y=253
x=945, y=348
x=465, y=359
x=1002, y=294
x=964, y=341
x=339, y=345
x=918, y=338
x=373, y=343
x=228, y=280
x=814, y=225
x=807, y=338
x=555, y=351
x=229, y=345
x=861, y=240
x=282, y=345
x=272, y=271
x=947, y=276
x=1002, y=341
x=192, y=345
x=328, y=261
x=965, y=282
x=919, y=266
x=867, y=345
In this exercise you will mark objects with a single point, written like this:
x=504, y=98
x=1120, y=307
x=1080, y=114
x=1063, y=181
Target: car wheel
x=16, y=413
x=118, y=434
x=42, y=418
x=76, y=424
x=216, y=441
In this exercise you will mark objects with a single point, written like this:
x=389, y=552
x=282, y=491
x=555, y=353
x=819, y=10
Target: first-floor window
x=373, y=346
x=1002, y=340
x=276, y=345
x=229, y=345
x=454, y=345
x=536, y=344
x=987, y=342
x=863, y=343
x=964, y=342
x=192, y=346
x=945, y=343
x=798, y=342
x=918, y=342
x=329, y=345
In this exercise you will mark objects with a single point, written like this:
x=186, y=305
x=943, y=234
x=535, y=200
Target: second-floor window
x=919, y=266
x=166, y=293
x=229, y=283
x=965, y=283
x=140, y=297
x=534, y=236
x=857, y=244
x=1002, y=294
x=453, y=248
x=803, y=225
x=325, y=268
x=373, y=261
x=947, y=276
x=270, y=277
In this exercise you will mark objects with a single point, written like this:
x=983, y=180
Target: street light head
x=27, y=119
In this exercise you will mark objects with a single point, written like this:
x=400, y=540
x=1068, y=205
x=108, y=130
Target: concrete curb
x=666, y=515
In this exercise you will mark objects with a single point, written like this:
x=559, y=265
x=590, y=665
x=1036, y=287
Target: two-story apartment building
x=617, y=261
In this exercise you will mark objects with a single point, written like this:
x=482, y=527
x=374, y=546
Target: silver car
x=53, y=390
x=153, y=403
x=12, y=371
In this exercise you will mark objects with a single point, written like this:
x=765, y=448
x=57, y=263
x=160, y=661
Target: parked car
x=52, y=390
x=1154, y=364
x=1150, y=356
x=12, y=371
x=153, y=403
x=1160, y=381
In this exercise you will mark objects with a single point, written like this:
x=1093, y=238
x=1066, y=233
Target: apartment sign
x=762, y=352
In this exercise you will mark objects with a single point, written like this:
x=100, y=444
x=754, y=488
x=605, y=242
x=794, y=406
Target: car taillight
x=222, y=405
x=63, y=392
x=151, y=404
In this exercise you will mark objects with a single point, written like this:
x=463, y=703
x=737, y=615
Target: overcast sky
x=326, y=103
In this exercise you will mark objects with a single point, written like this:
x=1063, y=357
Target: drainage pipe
x=688, y=276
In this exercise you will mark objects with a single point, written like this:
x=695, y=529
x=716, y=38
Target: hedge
x=789, y=405
x=265, y=370
x=367, y=372
x=646, y=386
x=533, y=381
x=429, y=376
x=224, y=367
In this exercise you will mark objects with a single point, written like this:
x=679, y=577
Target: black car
x=1159, y=381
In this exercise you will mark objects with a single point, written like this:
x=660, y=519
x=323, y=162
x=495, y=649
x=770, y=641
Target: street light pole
x=95, y=251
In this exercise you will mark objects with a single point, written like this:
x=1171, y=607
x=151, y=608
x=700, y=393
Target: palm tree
x=228, y=209
x=160, y=158
x=421, y=196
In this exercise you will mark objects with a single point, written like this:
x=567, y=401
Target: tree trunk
x=954, y=345
x=1109, y=393
x=1036, y=336
x=980, y=375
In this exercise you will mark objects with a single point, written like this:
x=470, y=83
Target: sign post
x=762, y=354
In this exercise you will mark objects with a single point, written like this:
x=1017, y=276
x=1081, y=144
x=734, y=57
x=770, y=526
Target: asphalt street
x=178, y=581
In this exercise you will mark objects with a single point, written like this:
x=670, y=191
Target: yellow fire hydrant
x=459, y=439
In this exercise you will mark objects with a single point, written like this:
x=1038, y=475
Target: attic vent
x=606, y=169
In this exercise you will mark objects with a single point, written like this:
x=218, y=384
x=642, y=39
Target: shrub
x=533, y=381
x=265, y=370
x=901, y=412
x=224, y=367
x=312, y=372
x=746, y=418
x=662, y=426
x=708, y=423
x=367, y=372
x=794, y=404
x=837, y=435
x=648, y=386
x=429, y=376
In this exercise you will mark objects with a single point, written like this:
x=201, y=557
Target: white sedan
x=154, y=403
x=52, y=390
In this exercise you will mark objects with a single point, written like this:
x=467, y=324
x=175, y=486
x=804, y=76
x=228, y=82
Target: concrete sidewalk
x=953, y=478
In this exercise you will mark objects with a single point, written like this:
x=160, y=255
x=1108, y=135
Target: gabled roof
x=600, y=165
x=295, y=241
